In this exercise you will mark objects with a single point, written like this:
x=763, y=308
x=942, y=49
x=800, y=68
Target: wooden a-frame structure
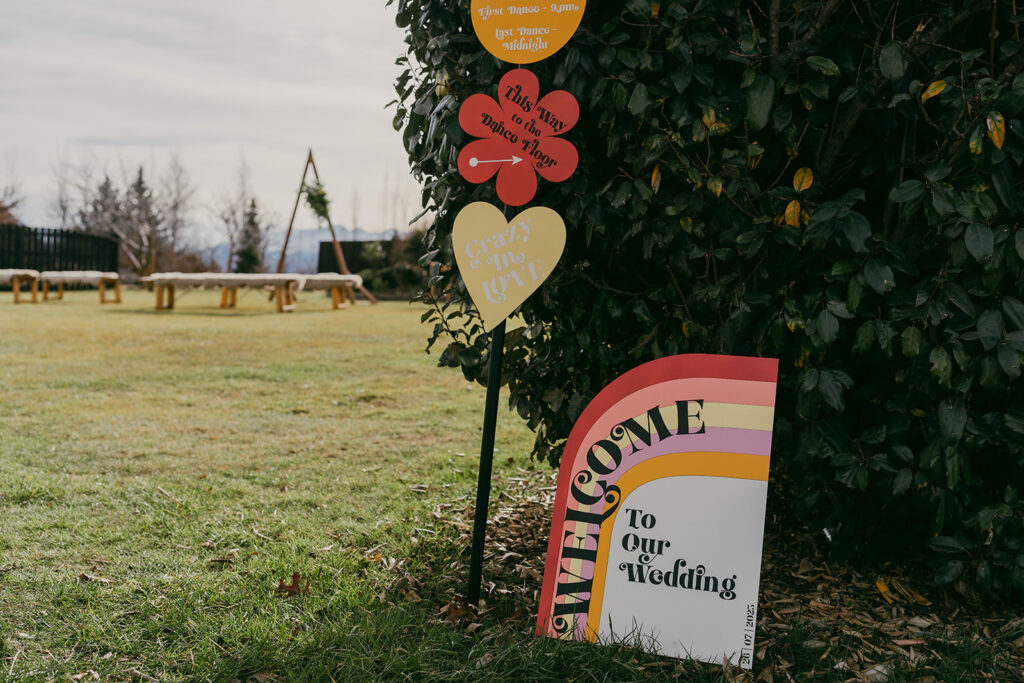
x=342, y=266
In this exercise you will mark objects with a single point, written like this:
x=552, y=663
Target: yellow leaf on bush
x=656, y=179
x=793, y=214
x=686, y=330
x=715, y=185
x=655, y=9
x=714, y=126
x=975, y=141
x=803, y=179
x=933, y=89
x=996, y=129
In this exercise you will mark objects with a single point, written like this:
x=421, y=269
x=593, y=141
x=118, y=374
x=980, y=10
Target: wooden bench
x=94, y=278
x=342, y=287
x=16, y=277
x=284, y=285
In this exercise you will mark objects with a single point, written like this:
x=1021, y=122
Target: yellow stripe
x=738, y=416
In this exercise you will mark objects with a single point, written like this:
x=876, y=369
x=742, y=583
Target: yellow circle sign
x=525, y=31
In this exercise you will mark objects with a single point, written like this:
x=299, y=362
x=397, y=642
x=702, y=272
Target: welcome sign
x=659, y=515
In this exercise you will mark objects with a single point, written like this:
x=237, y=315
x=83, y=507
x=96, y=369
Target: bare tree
x=10, y=192
x=231, y=212
x=62, y=206
x=174, y=196
x=355, y=210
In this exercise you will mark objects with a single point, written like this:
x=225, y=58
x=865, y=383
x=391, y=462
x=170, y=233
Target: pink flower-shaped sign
x=519, y=137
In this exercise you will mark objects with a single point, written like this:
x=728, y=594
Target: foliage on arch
x=836, y=184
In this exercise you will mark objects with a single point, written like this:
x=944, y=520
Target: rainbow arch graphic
x=659, y=513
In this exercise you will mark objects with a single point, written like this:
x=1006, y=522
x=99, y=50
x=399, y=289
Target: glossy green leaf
x=948, y=544
x=941, y=367
x=879, y=276
x=980, y=241
x=640, y=100
x=990, y=328
x=892, y=61
x=760, y=98
x=857, y=230
x=902, y=481
x=952, y=418
x=823, y=65
x=910, y=342
x=828, y=327
x=906, y=191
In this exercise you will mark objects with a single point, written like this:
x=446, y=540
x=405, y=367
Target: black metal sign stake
x=483, y=486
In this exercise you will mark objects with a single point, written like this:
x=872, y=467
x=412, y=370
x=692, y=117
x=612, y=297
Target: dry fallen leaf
x=883, y=588
x=293, y=589
x=93, y=579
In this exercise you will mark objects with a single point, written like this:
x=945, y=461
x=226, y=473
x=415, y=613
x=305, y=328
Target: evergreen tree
x=251, y=243
x=102, y=211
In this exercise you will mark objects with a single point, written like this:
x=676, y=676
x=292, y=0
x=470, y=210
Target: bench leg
x=60, y=291
x=223, y=297
x=46, y=290
x=117, y=291
x=103, y=293
x=335, y=304
x=35, y=291
x=289, y=299
x=170, y=297
x=159, y=297
x=279, y=294
x=16, y=288
x=234, y=298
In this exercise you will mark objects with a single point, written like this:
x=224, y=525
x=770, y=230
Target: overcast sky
x=118, y=83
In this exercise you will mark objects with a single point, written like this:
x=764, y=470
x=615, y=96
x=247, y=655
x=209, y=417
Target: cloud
x=130, y=81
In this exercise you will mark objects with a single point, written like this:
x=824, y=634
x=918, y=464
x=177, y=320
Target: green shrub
x=889, y=284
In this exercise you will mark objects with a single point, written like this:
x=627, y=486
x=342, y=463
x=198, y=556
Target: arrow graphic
x=474, y=162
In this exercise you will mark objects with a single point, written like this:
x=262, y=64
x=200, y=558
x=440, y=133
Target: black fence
x=50, y=249
x=358, y=255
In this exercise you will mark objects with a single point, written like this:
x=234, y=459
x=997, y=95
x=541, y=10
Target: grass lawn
x=189, y=460
x=162, y=473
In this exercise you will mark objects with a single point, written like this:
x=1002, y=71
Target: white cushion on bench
x=78, y=277
x=8, y=274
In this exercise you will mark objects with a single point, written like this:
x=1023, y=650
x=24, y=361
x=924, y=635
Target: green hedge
x=835, y=184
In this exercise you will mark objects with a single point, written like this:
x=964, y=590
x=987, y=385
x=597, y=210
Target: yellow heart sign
x=504, y=262
x=520, y=32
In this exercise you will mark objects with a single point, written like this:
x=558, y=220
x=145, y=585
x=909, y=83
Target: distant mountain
x=303, y=247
